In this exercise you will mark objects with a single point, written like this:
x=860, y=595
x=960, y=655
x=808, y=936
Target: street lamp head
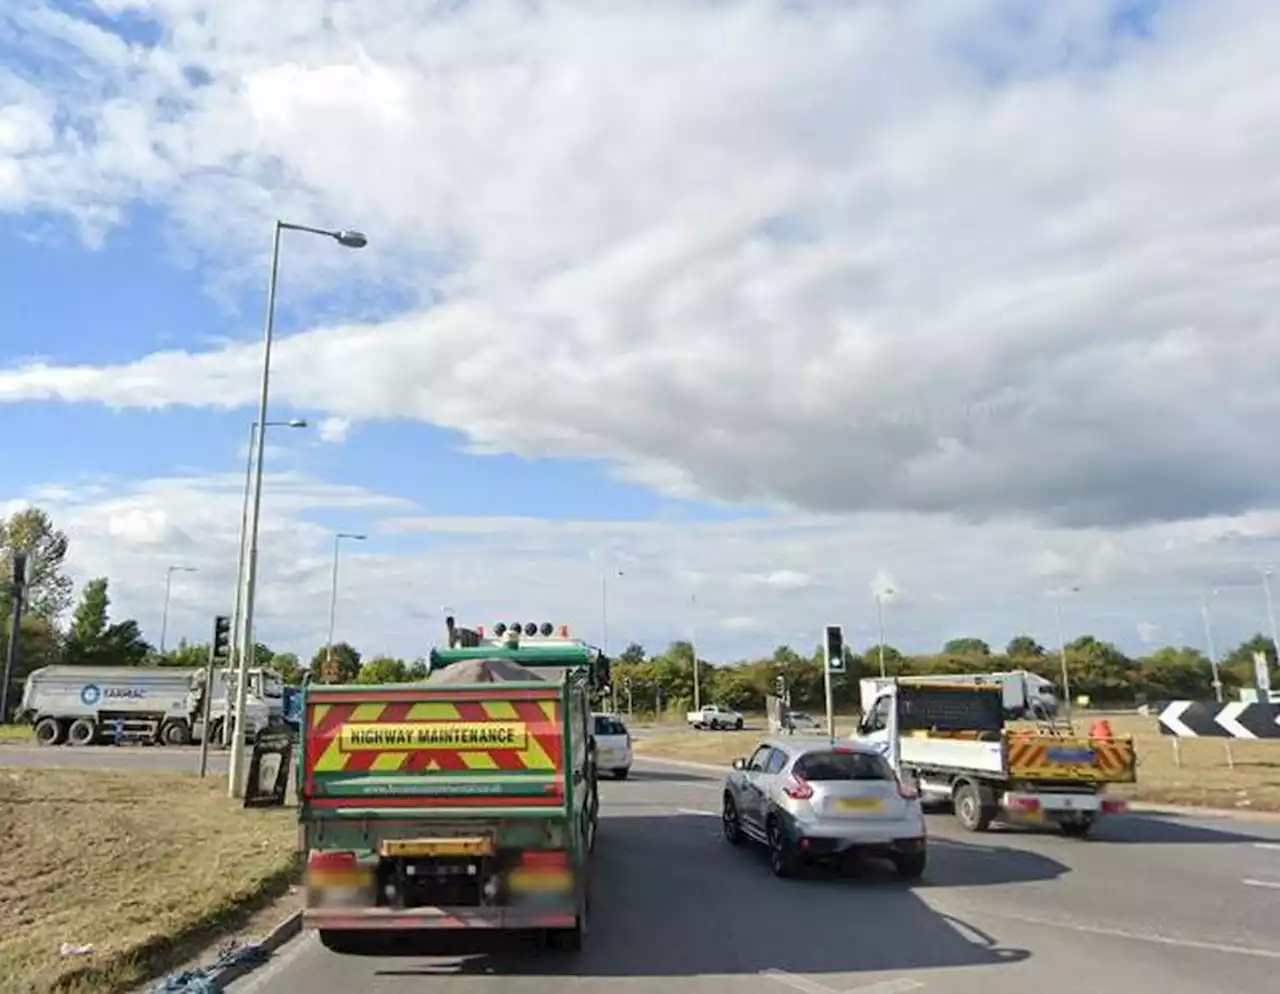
x=298, y=423
x=351, y=239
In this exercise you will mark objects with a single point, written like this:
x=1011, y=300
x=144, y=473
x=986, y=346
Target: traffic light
x=221, y=637
x=834, y=646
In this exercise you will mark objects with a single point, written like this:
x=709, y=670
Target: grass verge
x=15, y=733
x=1203, y=780
x=148, y=869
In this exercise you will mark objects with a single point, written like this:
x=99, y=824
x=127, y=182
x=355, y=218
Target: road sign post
x=219, y=652
x=833, y=662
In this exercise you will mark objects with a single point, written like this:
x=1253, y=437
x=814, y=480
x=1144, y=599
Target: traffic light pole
x=832, y=659
x=221, y=626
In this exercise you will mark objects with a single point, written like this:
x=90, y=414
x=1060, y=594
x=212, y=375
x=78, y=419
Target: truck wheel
x=972, y=814
x=346, y=942
x=48, y=732
x=82, y=732
x=566, y=940
x=175, y=733
x=215, y=733
x=737, y=725
x=1077, y=829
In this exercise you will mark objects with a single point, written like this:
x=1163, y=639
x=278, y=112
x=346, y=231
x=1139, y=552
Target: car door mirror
x=740, y=763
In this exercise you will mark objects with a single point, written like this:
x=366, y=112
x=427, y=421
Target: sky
x=677, y=318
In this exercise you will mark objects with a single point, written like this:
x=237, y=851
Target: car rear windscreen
x=819, y=766
x=609, y=726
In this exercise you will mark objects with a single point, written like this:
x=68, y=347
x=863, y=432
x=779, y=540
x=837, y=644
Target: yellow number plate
x=859, y=804
x=540, y=883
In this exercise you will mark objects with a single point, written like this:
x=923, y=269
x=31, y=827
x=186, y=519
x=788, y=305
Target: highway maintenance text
x=433, y=735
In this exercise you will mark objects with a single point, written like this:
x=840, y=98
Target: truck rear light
x=1027, y=804
x=544, y=859
x=798, y=789
x=1113, y=806
x=331, y=859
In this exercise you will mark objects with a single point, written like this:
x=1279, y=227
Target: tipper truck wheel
x=82, y=733
x=48, y=732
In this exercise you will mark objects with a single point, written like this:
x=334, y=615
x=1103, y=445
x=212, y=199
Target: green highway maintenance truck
x=467, y=800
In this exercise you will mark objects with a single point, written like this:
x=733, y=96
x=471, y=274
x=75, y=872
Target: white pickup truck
x=714, y=716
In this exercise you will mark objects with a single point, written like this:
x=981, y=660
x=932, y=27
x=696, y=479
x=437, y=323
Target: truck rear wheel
x=175, y=733
x=346, y=942
x=971, y=812
x=48, y=732
x=82, y=732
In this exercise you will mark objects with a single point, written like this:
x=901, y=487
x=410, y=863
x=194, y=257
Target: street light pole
x=1208, y=639
x=168, y=591
x=333, y=596
x=1271, y=613
x=693, y=645
x=237, y=616
x=880, y=596
x=1062, y=652
x=349, y=239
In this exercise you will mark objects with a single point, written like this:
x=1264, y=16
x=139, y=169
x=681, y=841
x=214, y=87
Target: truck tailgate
x=1031, y=756
x=460, y=747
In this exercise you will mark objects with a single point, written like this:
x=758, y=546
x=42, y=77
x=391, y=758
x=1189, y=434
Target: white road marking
x=696, y=811
x=802, y=983
x=1266, y=845
x=1151, y=937
x=1261, y=883
x=280, y=961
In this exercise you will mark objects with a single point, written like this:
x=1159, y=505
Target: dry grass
x=15, y=733
x=1204, y=778
x=148, y=868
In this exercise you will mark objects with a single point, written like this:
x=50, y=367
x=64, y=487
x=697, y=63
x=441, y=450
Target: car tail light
x=1114, y=807
x=908, y=789
x=798, y=789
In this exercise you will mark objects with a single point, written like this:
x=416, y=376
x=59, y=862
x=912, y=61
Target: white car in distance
x=613, y=744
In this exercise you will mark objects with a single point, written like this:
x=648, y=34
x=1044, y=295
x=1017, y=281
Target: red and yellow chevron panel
x=1044, y=757
x=425, y=736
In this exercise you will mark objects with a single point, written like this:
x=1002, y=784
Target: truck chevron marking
x=444, y=736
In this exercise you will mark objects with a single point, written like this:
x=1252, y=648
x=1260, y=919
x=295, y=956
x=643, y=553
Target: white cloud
x=334, y=430
x=873, y=256
x=965, y=580
x=883, y=586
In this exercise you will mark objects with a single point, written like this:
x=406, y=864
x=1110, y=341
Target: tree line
x=1096, y=669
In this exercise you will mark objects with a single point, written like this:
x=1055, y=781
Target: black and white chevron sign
x=1237, y=720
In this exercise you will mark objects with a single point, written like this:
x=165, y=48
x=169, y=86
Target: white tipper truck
x=953, y=740
x=1026, y=695
x=89, y=705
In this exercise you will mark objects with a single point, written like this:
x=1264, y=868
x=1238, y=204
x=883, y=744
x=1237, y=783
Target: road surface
x=126, y=757
x=1164, y=905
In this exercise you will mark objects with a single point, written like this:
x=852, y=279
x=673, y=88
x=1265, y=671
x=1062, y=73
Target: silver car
x=814, y=800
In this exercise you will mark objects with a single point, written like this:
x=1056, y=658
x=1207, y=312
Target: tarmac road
x=1152, y=905
x=109, y=757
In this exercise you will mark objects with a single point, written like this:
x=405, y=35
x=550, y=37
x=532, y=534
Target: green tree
x=48, y=586
x=633, y=654
x=383, y=669
x=288, y=666
x=92, y=640
x=967, y=647
x=346, y=659
x=1024, y=647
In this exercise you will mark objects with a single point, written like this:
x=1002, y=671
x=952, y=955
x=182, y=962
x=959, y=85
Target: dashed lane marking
x=697, y=811
x=1249, y=882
